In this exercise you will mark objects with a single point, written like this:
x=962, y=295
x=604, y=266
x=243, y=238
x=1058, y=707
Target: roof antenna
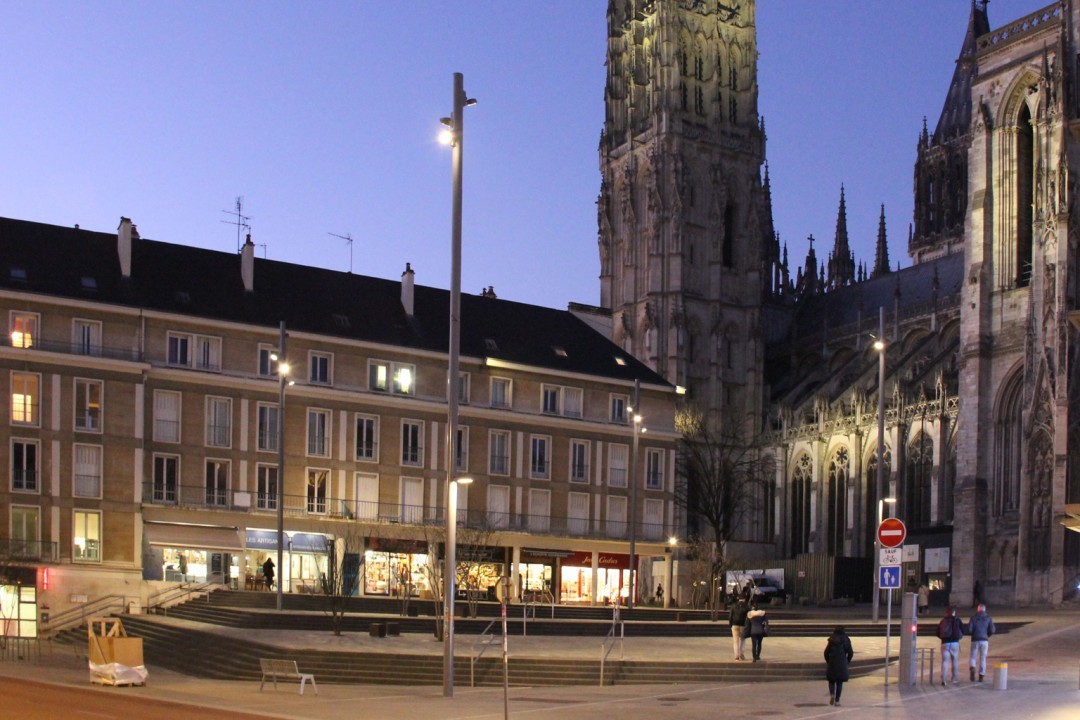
x=241, y=221
x=347, y=237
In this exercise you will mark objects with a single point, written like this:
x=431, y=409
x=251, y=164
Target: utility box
x=909, y=631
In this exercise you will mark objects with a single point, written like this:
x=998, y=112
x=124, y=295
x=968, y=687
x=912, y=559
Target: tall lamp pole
x=636, y=417
x=282, y=371
x=455, y=125
x=879, y=345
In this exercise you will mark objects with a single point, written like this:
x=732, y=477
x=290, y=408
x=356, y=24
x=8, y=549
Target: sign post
x=891, y=534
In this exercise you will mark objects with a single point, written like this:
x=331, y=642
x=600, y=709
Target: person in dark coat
x=268, y=573
x=838, y=654
x=757, y=627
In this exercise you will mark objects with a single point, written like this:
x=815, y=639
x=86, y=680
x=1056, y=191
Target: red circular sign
x=891, y=533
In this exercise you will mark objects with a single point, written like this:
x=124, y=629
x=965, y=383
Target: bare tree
x=474, y=562
x=721, y=477
x=344, y=571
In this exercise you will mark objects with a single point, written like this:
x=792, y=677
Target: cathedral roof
x=84, y=265
x=956, y=113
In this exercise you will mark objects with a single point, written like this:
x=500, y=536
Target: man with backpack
x=737, y=619
x=949, y=631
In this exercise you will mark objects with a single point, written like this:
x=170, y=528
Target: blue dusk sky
x=323, y=117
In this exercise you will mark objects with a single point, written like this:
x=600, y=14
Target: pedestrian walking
x=981, y=629
x=950, y=630
x=659, y=593
x=838, y=654
x=757, y=625
x=268, y=573
x=924, y=599
x=737, y=620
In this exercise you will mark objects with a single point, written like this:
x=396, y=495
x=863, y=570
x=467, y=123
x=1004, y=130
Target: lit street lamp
x=283, y=374
x=636, y=417
x=879, y=345
x=453, y=135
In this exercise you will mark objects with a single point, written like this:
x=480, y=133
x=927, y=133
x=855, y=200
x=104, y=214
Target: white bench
x=286, y=670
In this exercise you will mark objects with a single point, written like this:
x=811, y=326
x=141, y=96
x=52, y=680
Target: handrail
x=480, y=640
x=165, y=598
x=525, y=615
x=77, y=615
x=609, y=641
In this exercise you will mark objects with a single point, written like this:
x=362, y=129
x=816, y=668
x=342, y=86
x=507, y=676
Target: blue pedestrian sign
x=890, y=578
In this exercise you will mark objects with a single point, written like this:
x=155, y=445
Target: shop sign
x=396, y=545
x=261, y=540
x=536, y=555
x=307, y=542
x=604, y=560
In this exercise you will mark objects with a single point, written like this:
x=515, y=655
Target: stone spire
x=881, y=256
x=841, y=260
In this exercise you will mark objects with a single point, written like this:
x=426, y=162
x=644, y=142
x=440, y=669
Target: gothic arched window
x=918, y=475
x=1025, y=172
x=801, y=482
x=870, y=508
x=1008, y=435
x=838, y=475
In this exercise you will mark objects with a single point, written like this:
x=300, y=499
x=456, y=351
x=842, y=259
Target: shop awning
x=183, y=535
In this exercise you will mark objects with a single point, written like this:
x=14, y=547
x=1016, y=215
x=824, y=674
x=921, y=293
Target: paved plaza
x=1043, y=658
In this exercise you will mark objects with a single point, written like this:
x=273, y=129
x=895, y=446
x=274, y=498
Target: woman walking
x=838, y=654
x=757, y=626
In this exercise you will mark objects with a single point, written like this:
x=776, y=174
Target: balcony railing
x=29, y=550
x=68, y=347
x=299, y=506
x=24, y=479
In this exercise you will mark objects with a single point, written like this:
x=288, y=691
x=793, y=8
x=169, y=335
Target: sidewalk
x=1042, y=662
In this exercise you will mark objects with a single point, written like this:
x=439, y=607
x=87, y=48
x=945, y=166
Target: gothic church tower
x=685, y=226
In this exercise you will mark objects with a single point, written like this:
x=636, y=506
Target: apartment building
x=147, y=399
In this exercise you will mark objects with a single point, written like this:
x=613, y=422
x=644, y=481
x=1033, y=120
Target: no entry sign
x=891, y=532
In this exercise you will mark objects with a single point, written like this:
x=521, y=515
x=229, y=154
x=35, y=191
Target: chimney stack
x=124, y=235
x=247, y=264
x=407, y=281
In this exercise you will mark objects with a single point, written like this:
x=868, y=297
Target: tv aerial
x=241, y=221
x=348, y=238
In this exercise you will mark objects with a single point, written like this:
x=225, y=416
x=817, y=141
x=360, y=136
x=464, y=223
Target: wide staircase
x=182, y=639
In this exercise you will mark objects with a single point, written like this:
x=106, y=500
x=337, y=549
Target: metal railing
x=78, y=615
x=167, y=597
x=13, y=549
x=616, y=634
x=483, y=641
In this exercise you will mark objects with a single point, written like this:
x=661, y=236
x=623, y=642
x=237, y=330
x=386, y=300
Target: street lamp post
x=455, y=125
x=636, y=417
x=879, y=345
x=283, y=372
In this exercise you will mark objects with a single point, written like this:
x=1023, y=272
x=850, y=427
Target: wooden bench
x=286, y=670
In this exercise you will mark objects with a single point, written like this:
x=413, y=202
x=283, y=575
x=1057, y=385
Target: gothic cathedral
x=981, y=432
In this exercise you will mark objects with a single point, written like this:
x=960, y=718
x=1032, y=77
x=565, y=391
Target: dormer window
x=89, y=283
x=183, y=297
x=341, y=321
x=18, y=273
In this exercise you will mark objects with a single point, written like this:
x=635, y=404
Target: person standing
x=838, y=654
x=737, y=620
x=924, y=599
x=980, y=628
x=659, y=593
x=758, y=627
x=268, y=573
x=949, y=631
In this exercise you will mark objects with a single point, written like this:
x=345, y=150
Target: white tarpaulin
x=117, y=674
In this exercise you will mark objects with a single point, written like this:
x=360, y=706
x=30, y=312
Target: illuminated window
x=24, y=329
x=25, y=398
x=384, y=376
x=316, y=490
x=88, y=405
x=86, y=544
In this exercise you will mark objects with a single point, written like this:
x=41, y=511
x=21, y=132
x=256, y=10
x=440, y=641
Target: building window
x=618, y=462
x=88, y=405
x=552, y=399
x=166, y=478
x=24, y=329
x=316, y=490
x=461, y=450
x=217, y=483
x=464, y=385
x=25, y=398
x=179, y=350
x=319, y=365
x=266, y=487
x=539, y=511
x=498, y=507
x=268, y=363
x=618, y=407
x=652, y=528
x=500, y=392
x=579, y=461
x=367, y=438
x=86, y=337
x=577, y=517
x=499, y=458
x=539, y=457
x=201, y=352
x=207, y=353
x=86, y=537
x=24, y=465
x=25, y=532
x=383, y=376
x=654, y=469
x=218, y=422
x=166, y=416
x=318, y=432
x=268, y=430
x=616, y=516
x=572, y=402
x=412, y=443
x=87, y=471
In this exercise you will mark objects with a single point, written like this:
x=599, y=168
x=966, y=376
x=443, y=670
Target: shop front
x=305, y=560
x=479, y=568
x=185, y=552
x=538, y=573
x=613, y=581
x=396, y=568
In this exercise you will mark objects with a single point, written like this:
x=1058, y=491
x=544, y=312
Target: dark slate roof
x=840, y=307
x=207, y=283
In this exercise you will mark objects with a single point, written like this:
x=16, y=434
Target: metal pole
x=453, y=380
x=880, y=479
x=281, y=466
x=636, y=418
x=888, y=635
